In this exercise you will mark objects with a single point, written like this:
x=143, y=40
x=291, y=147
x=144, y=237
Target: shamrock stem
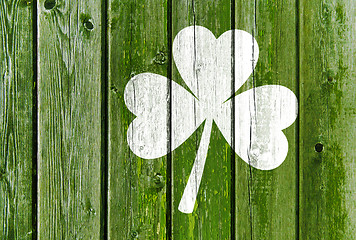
x=187, y=202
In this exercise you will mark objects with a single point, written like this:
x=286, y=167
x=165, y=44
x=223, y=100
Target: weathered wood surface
x=307, y=46
x=327, y=119
x=137, y=35
x=211, y=216
x=16, y=95
x=69, y=119
x=266, y=201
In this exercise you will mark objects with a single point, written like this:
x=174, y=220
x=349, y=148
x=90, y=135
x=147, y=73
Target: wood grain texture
x=69, y=119
x=327, y=88
x=137, y=194
x=16, y=88
x=211, y=217
x=277, y=204
x=266, y=201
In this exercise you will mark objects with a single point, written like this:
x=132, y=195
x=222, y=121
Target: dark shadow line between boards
x=169, y=224
x=104, y=174
x=233, y=156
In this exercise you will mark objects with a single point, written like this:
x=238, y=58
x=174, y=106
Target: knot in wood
x=160, y=58
x=49, y=4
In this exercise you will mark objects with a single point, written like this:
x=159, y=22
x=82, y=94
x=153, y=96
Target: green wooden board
x=137, y=194
x=16, y=95
x=266, y=201
x=211, y=216
x=327, y=120
x=63, y=73
x=69, y=119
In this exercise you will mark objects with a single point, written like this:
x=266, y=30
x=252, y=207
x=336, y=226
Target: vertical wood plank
x=137, y=195
x=211, y=217
x=16, y=88
x=266, y=201
x=69, y=105
x=327, y=119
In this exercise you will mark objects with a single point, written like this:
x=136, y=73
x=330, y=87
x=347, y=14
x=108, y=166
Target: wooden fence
x=66, y=169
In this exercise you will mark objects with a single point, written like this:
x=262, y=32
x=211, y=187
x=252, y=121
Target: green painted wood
x=70, y=123
x=266, y=201
x=137, y=35
x=69, y=119
x=327, y=89
x=16, y=88
x=211, y=217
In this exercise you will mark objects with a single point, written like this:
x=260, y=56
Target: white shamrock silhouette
x=205, y=64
